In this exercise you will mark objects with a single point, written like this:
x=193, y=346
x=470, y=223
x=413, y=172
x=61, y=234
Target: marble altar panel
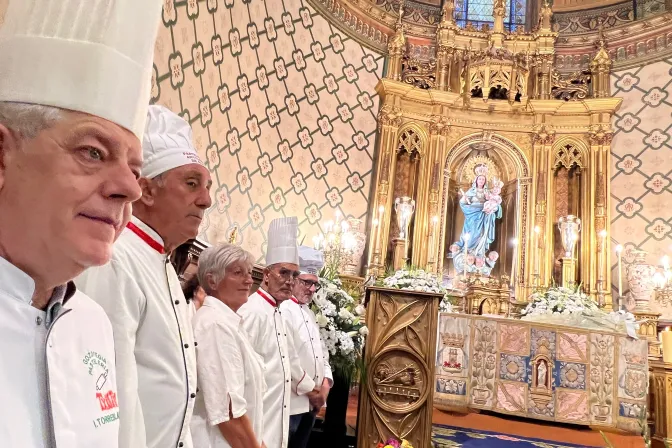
x=542, y=371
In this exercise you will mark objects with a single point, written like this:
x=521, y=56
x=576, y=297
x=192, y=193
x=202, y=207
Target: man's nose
x=204, y=200
x=121, y=182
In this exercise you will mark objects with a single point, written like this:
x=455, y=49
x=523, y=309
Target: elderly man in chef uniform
x=263, y=322
x=140, y=291
x=300, y=321
x=74, y=87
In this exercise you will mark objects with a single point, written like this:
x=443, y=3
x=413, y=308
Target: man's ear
x=149, y=188
x=9, y=143
x=266, y=275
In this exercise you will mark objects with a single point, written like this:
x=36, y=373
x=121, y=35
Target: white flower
x=322, y=320
x=364, y=331
x=360, y=310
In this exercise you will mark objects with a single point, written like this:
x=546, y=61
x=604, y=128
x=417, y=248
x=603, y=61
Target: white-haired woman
x=229, y=409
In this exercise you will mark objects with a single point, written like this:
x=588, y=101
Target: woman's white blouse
x=230, y=375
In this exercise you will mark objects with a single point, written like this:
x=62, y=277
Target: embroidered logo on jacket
x=106, y=398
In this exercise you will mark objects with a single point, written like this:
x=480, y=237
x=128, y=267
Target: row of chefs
x=214, y=368
x=99, y=348
x=158, y=369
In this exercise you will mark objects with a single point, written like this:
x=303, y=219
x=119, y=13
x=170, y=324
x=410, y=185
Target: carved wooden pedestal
x=487, y=295
x=397, y=395
x=661, y=402
x=648, y=330
x=568, y=272
x=399, y=254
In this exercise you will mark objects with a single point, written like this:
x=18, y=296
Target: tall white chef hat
x=167, y=143
x=282, y=246
x=82, y=55
x=310, y=260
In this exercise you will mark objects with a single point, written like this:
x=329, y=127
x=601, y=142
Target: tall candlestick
x=619, y=253
x=601, y=259
x=374, y=229
x=381, y=235
x=537, y=255
x=432, y=242
x=466, y=247
x=514, y=243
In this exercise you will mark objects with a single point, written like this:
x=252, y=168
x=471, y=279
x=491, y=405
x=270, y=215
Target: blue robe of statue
x=479, y=225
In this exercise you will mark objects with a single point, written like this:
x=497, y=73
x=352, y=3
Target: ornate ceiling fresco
x=636, y=32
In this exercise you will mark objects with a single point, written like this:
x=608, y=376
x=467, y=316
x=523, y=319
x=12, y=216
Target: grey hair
x=214, y=260
x=28, y=120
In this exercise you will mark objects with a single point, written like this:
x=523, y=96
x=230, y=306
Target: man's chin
x=96, y=253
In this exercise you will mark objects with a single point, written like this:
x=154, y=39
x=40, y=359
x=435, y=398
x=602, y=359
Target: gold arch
x=514, y=153
x=577, y=143
x=420, y=131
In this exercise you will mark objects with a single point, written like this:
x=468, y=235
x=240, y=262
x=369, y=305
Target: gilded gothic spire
x=397, y=46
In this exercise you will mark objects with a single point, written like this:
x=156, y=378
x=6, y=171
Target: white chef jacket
x=264, y=325
x=230, y=375
x=57, y=371
x=156, y=357
x=301, y=322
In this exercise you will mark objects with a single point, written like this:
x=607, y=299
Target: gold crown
x=481, y=170
x=453, y=340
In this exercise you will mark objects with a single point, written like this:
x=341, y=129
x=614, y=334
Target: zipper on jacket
x=184, y=359
x=50, y=414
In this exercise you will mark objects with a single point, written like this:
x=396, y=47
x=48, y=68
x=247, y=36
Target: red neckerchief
x=293, y=299
x=267, y=297
x=146, y=238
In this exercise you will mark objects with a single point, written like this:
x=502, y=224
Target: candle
x=514, y=243
x=379, y=244
x=619, y=253
x=374, y=244
x=602, y=258
x=466, y=247
x=537, y=232
x=667, y=346
x=432, y=242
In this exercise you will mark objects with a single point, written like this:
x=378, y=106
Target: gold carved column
x=389, y=120
x=540, y=259
x=439, y=129
x=600, y=138
x=397, y=397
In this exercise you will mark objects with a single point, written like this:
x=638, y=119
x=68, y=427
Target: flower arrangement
x=573, y=307
x=419, y=280
x=342, y=331
x=394, y=443
x=559, y=300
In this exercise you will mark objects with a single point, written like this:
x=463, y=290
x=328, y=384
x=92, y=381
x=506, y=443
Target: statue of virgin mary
x=481, y=206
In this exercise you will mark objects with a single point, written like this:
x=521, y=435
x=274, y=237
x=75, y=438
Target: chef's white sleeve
x=302, y=383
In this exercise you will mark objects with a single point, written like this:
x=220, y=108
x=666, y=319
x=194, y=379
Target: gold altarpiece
x=545, y=137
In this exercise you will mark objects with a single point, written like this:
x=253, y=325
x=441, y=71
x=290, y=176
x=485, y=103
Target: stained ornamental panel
x=541, y=371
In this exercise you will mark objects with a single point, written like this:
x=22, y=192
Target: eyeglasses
x=309, y=284
x=287, y=275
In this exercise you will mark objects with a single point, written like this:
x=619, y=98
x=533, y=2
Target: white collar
x=222, y=307
x=151, y=233
x=16, y=283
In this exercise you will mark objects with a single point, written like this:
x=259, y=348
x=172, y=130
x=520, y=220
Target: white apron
x=265, y=327
x=57, y=370
x=156, y=358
